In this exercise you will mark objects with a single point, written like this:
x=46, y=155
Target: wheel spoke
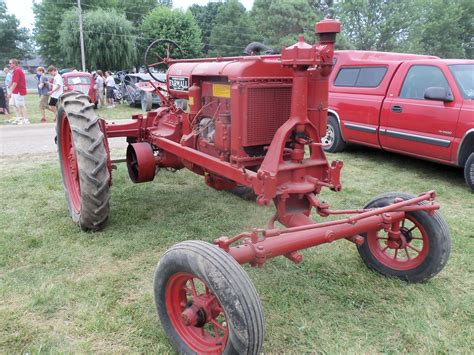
x=383, y=250
x=217, y=325
x=395, y=255
x=154, y=64
x=403, y=223
x=193, y=288
x=412, y=228
x=415, y=249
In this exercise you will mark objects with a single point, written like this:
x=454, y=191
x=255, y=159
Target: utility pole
x=81, y=35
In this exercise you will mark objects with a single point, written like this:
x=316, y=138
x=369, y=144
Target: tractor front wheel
x=83, y=159
x=206, y=301
x=421, y=251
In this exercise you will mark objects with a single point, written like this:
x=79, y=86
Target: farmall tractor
x=253, y=121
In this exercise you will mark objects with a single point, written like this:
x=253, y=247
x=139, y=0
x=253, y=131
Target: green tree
x=14, y=40
x=176, y=25
x=280, y=22
x=108, y=39
x=205, y=16
x=49, y=15
x=376, y=24
x=442, y=28
x=136, y=11
x=233, y=30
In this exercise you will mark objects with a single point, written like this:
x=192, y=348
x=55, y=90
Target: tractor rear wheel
x=83, y=159
x=422, y=250
x=206, y=301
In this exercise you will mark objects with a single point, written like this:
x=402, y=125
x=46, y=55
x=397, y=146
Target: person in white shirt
x=110, y=85
x=99, y=83
x=58, y=87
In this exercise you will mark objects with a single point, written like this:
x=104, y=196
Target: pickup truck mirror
x=438, y=93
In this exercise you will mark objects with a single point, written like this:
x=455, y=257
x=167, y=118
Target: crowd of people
x=49, y=91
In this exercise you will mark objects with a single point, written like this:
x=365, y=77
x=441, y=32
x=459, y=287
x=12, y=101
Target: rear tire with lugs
x=83, y=158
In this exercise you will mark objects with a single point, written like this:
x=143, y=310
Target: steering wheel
x=159, y=53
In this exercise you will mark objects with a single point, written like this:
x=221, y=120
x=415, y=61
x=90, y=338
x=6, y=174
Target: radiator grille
x=268, y=109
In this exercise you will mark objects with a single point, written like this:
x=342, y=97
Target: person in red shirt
x=18, y=92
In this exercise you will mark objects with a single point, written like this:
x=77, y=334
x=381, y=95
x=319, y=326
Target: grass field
x=123, y=111
x=62, y=290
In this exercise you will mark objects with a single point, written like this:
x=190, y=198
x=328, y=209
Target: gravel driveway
x=36, y=139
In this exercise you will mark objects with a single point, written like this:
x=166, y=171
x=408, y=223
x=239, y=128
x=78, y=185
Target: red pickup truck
x=411, y=104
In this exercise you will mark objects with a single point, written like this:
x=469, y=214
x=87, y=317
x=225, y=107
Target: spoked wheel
x=206, y=302
x=84, y=161
x=418, y=254
x=159, y=53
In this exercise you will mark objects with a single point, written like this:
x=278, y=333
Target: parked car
x=127, y=84
x=81, y=81
x=418, y=105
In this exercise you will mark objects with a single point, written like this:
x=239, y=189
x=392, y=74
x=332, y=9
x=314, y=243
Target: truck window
x=363, y=77
x=421, y=77
x=464, y=76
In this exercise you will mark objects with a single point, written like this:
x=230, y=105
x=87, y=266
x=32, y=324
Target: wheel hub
x=407, y=234
x=200, y=311
x=397, y=243
x=329, y=137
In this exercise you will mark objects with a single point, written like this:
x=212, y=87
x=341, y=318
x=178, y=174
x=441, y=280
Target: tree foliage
x=442, y=28
x=176, y=25
x=49, y=16
x=280, y=22
x=437, y=27
x=376, y=24
x=14, y=40
x=136, y=11
x=108, y=40
x=205, y=16
x=233, y=30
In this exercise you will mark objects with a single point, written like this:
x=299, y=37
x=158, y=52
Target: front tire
x=332, y=141
x=206, y=301
x=469, y=172
x=422, y=251
x=84, y=161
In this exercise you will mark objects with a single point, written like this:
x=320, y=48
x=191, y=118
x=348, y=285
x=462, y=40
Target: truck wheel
x=206, y=301
x=83, y=160
x=469, y=171
x=423, y=251
x=333, y=141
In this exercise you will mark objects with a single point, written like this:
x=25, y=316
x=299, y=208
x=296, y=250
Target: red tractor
x=253, y=121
